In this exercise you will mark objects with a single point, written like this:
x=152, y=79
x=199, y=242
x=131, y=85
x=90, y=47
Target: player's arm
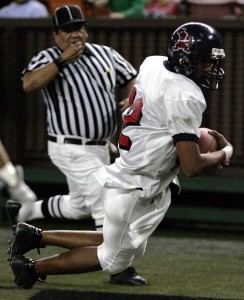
x=193, y=163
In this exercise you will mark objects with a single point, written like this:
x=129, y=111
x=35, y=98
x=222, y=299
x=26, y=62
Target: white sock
x=30, y=211
x=9, y=175
x=99, y=228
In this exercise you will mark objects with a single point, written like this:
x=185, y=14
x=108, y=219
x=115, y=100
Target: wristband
x=59, y=63
x=228, y=151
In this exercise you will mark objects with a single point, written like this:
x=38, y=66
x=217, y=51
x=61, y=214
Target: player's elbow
x=192, y=165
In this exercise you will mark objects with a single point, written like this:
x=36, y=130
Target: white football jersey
x=165, y=105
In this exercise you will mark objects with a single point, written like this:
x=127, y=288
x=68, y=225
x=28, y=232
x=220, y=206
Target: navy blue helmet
x=192, y=42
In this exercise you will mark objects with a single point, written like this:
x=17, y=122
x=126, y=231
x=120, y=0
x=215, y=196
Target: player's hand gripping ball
x=207, y=143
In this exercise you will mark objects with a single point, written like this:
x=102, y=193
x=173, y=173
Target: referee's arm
x=38, y=78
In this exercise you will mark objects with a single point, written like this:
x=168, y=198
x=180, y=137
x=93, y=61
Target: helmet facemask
x=206, y=79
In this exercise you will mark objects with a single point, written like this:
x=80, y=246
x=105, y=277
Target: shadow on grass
x=75, y=295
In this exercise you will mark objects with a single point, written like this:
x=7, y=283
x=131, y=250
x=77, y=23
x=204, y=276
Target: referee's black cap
x=67, y=15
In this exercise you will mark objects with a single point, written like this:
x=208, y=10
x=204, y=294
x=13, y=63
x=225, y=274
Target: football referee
x=78, y=81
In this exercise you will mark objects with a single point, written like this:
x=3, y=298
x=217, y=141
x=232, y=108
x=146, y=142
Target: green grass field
x=194, y=263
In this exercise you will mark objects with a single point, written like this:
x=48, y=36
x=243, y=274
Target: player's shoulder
x=155, y=60
x=183, y=88
x=155, y=70
x=180, y=82
x=153, y=66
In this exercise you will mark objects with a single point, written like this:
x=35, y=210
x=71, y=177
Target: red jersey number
x=132, y=118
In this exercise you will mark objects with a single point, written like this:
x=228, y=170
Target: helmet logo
x=183, y=41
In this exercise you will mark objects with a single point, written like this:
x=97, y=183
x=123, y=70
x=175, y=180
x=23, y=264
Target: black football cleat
x=23, y=269
x=25, y=238
x=128, y=277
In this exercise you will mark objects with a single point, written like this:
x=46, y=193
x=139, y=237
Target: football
x=207, y=143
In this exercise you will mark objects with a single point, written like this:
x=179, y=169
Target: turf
x=179, y=264
x=75, y=295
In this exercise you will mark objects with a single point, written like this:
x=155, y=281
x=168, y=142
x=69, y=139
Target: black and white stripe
x=80, y=100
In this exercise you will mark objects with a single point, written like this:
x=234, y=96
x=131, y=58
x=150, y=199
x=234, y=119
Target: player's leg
x=71, y=238
x=16, y=186
x=76, y=261
x=129, y=221
x=27, y=237
x=82, y=257
x=117, y=252
x=125, y=214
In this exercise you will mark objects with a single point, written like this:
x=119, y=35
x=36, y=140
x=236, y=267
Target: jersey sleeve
x=124, y=70
x=185, y=105
x=41, y=59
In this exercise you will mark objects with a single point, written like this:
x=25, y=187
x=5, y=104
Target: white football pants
x=129, y=221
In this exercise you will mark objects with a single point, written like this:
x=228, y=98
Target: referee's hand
x=73, y=52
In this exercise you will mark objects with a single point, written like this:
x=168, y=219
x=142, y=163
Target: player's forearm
x=206, y=162
x=39, y=78
x=193, y=163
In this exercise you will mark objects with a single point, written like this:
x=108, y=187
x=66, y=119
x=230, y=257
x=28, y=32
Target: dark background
x=23, y=117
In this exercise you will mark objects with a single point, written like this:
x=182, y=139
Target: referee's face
x=71, y=34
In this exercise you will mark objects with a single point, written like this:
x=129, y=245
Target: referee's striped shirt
x=80, y=100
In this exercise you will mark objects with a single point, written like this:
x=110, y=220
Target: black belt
x=77, y=141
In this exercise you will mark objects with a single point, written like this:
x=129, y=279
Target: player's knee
x=115, y=267
x=75, y=214
x=115, y=262
x=76, y=211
